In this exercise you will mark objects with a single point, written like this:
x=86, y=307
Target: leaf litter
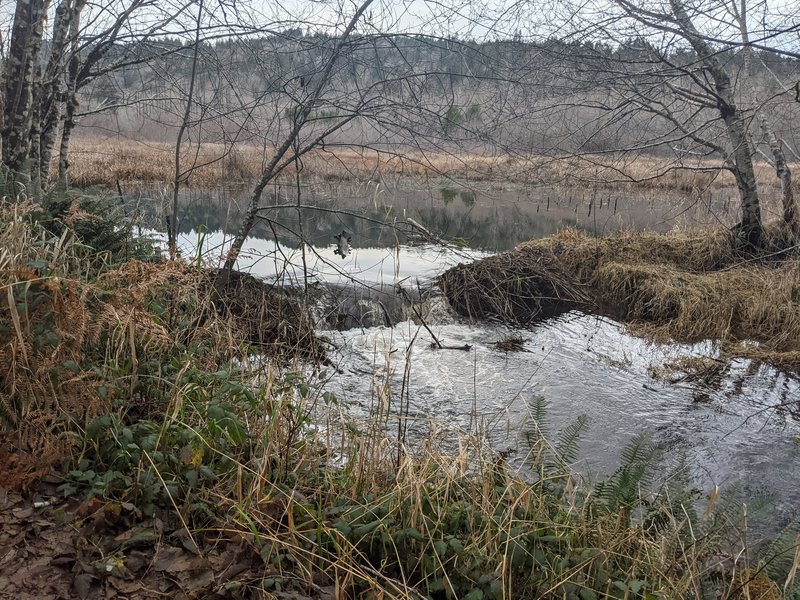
x=92, y=550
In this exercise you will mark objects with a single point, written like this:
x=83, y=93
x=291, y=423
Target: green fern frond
x=640, y=457
x=567, y=447
x=780, y=555
x=728, y=523
x=676, y=506
x=537, y=406
x=536, y=432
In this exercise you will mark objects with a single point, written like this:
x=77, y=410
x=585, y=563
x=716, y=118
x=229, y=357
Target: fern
x=676, y=505
x=556, y=460
x=567, y=447
x=639, y=461
x=552, y=464
x=538, y=413
x=780, y=555
x=728, y=525
x=536, y=433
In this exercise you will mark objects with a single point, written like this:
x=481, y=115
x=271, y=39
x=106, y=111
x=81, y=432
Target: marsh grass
x=78, y=333
x=106, y=162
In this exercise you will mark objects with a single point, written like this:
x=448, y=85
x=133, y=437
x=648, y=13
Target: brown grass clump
x=44, y=325
x=695, y=251
x=685, y=287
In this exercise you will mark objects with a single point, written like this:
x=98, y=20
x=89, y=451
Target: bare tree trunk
x=784, y=173
x=54, y=97
x=21, y=69
x=270, y=170
x=69, y=119
x=750, y=227
x=172, y=233
x=66, y=136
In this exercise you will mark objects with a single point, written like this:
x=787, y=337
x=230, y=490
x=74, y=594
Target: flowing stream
x=738, y=427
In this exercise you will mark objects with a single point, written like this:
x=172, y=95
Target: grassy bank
x=187, y=446
x=683, y=287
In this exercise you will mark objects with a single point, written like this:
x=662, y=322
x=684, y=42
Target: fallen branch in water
x=465, y=347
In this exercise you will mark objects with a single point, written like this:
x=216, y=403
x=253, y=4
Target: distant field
x=106, y=162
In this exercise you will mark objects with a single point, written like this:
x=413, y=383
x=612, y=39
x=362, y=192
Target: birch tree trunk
x=750, y=227
x=54, y=82
x=69, y=119
x=784, y=174
x=22, y=67
x=783, y=171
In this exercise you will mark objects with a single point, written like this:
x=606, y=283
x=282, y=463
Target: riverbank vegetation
x=165, y=426
x=172, y=451
x=684, y=287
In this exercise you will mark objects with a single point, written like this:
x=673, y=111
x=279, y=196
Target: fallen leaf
x=136, y=561
x=197, y=581
x=177, y=560
x=82, y=585
x=186, y=541
x=89, y=507
x=125, y=587
x=137, y=537
x=64, y=560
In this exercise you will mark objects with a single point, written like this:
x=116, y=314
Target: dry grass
x=57, y=315
x=354, y=515
x=41, y=295
x=684, y=287
x=96, y=162
x=104, y=163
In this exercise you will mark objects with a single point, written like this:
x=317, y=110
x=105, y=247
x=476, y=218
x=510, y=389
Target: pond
x=737, y=428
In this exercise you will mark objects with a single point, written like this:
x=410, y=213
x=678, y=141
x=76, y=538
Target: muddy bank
x=682, y=287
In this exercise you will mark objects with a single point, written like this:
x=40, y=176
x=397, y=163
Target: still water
x=739, y=430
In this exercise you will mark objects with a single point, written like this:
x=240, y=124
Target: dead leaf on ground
x=82, y=585
x=176, y=560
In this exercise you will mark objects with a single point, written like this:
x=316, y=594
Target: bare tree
x=279, y=160
x=739, y=158
x=656, y=83
x=42, y=81
x=739, y=10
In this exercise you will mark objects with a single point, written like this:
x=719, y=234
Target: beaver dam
x=680, y=287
